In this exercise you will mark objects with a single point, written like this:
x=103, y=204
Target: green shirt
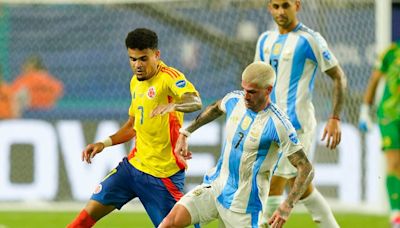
x=389, y=65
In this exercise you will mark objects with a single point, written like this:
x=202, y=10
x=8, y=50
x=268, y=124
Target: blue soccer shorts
x=124, y=183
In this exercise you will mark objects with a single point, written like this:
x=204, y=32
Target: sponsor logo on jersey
x=98, y=189
x=151, y=93
x=293, y=138
x=181, y=83
x=327, y=55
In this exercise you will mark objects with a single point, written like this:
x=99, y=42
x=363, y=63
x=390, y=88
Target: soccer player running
x=295, y=52
x=235, y=191
x=159, y=96
x=388, y=67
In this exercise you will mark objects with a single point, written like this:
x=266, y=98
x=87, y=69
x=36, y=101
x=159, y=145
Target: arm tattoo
x=190, y=102
x=305, y=174
x=211, y=113
x=340, y=83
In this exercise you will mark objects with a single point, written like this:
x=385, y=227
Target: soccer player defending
x=295, y=52
x=151, y=172
x=236, y=190
x=388, y=66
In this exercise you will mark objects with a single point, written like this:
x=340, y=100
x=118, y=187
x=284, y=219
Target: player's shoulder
x=169, y=71
x=234, y=94
x=280, y=117
x=310, y=34
x=265, y=34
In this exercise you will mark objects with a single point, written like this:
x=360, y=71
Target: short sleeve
x=288, y=139
x=325, y=58
x=230, y=100
x=177, y=82
x=259, y=53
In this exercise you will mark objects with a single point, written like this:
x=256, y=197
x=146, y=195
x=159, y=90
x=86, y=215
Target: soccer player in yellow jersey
x=152, y=172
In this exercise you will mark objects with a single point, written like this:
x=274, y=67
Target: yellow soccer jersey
x=156, y=137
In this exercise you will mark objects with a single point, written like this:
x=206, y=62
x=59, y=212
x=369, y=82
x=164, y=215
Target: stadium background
x=82, y=44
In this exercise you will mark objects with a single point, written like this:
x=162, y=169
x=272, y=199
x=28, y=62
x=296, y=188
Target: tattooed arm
x=340, y=83
x=211, y=113
x=189, y=102
x=305, y=174
x=332, y=130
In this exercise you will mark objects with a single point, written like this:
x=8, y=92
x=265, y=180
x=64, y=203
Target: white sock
x=273, y=203
x=319, y=210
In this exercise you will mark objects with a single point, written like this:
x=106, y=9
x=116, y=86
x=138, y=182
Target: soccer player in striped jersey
x=235, y=191
x=295, y=52
x=159, y=96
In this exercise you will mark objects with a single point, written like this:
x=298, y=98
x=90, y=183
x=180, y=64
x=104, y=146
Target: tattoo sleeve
x=340, y=83
x=211, y=113
x=190, y=102
x=305, y=174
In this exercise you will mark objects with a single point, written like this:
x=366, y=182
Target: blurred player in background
x=295, y=52
x=43, y=89
x=235, y=191
x=12, y=103
x=388, y=67
x=159, y=96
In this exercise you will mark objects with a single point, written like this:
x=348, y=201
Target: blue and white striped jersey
x=295, y=58
x=240, y=180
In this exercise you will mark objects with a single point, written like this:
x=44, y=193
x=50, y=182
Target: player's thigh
x=284, y=168
x=390, y=133
x=201, y=204
x=159, y=195
x=115, y=188
x=233, y=219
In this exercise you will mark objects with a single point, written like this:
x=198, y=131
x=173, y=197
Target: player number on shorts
x=141, y=114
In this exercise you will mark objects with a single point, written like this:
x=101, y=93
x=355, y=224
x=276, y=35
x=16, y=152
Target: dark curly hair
x=141, y=38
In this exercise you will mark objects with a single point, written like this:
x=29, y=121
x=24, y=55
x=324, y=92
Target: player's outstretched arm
x=211, y=113
x=189, y=102
x=124, y=134
x=302, y=181
x=332, y=132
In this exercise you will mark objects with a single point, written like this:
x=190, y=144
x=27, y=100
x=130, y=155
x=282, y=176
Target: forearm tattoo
x=190, y=103
x=211, y=113
x=339, y=91
x=305, y=174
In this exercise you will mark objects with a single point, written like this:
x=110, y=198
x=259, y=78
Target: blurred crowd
x=33, y=89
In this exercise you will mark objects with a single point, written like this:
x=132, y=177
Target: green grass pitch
x=140, y=220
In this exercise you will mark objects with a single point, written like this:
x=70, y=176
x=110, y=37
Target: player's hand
x=332, y=133
x=91, y=150
x=162, y=109
x=182, y=148
x=280, y=216
x=364, y=121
